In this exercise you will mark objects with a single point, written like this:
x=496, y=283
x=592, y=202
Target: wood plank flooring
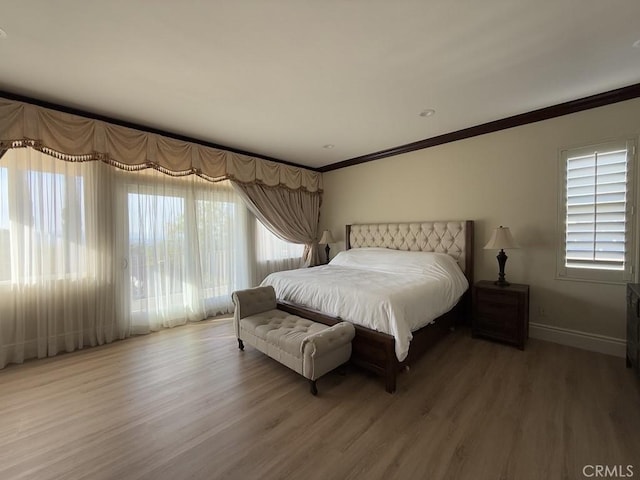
x=186, y=403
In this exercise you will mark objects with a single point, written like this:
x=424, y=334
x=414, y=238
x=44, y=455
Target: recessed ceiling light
x=328, y=146
x=429, y=112
x=636, y=44
x=3, y=34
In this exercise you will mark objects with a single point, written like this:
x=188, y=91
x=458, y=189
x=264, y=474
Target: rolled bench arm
x=251, y=302
x=328, y=339
x=254, y=300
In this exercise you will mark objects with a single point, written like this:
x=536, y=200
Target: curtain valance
x=76, y=138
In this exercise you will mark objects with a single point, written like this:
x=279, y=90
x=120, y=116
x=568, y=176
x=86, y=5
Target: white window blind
x=598, y=212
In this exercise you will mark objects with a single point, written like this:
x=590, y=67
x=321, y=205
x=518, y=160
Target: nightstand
x=501, y=313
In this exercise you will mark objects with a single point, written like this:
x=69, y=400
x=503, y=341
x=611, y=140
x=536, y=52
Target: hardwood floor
x=186, y=403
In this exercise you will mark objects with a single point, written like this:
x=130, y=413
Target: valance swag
x=76, y=138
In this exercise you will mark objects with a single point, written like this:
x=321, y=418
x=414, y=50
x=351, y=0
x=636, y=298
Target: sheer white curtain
x=274, y=254
x=187, y=249
x=90, y=253
x=59, y=280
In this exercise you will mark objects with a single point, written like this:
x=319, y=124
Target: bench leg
x=312, y=387
x=240, y=344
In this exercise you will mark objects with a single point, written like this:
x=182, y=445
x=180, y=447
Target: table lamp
x=501, y=239
x=326, y=239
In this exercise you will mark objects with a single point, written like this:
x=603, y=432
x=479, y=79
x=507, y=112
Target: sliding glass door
x=187, y=249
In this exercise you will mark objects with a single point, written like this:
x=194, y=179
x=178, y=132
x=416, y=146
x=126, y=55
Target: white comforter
x=389, y=291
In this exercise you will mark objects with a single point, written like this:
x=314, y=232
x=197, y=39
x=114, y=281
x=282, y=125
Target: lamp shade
x=326, y=238
x=500, y=239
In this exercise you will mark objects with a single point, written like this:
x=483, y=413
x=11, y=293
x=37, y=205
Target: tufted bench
x=309, y=348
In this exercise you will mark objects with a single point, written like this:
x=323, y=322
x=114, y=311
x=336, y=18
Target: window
x=156, y=247
x=272, y=248
x=596, y=213
x=90, y=253
x=187, y=248
x=149, y=249
x=221, y=236
x=42, y=220
x=274, y=254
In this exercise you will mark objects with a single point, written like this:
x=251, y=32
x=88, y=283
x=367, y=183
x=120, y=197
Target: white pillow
x=396, y=261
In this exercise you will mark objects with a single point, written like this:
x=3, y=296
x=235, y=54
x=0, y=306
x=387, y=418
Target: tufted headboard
x=452, y=237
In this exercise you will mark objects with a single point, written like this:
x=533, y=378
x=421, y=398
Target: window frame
x=585, y=274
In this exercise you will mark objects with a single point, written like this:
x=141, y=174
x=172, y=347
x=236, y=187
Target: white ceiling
x=282, y=78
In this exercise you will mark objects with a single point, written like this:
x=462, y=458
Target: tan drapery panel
x=291, y=215
x=75, y=138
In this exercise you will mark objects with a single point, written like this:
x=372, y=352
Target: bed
x=384, y=293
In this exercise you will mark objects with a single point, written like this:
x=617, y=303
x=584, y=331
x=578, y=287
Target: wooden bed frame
x=375, y=351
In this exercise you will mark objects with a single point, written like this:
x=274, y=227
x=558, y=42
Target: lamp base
x=502, y=260
x=326, y=249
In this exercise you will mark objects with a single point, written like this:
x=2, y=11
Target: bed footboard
x=375, y=351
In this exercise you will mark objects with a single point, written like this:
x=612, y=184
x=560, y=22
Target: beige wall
x=505, y=178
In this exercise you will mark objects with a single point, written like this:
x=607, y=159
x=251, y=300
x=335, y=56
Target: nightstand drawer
x=504, y=326
x=492, y=308
x=490, y=297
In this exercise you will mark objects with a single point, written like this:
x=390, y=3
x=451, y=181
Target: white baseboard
x=574, y=338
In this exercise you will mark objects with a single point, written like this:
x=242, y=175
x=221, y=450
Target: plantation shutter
x=598, y=209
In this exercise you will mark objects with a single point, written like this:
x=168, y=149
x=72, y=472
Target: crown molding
x=573, y=106
x=598, y=100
